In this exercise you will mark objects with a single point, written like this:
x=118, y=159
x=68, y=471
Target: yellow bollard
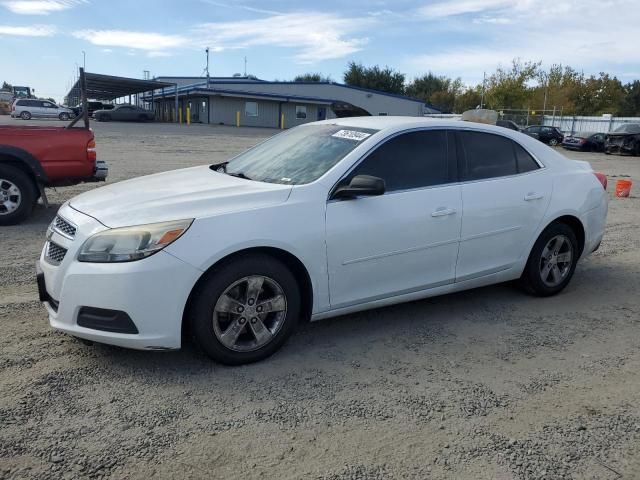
x=237, y=119
x=188, y=116
x=180, y=115
x=282, y=121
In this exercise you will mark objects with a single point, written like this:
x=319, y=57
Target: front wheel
x=17, y=195
x=552, y=261
x=553, y=142
x=64, y=116
x=245, y=310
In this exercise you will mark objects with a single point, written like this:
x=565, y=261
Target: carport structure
x=97, y=86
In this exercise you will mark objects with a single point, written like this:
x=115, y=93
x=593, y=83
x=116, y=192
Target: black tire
x=214, y=286
x=27, y=191
x=104, y=118
x=532, y=277
x=25, y=115
x=553, y=142
x=64, y=116
x=142, y=118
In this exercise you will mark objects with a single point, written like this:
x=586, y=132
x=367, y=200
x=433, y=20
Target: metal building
x=253, y=102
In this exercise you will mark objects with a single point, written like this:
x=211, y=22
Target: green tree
x=598, y=95
x=7, y=86
x=376, y=78
x=468, y=99
x=312, y=77
x=509, y=88
x=439, y=91
x=631, y=102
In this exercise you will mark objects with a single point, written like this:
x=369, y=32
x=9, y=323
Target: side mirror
x=360, y=186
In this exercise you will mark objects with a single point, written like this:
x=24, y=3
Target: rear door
x=405, y=240
x=49, y=109
x=505, y=194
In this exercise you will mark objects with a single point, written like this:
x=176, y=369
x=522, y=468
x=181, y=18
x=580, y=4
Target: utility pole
x=245, y=66
x=207, y=50
x=84, y=60
x=484, y=78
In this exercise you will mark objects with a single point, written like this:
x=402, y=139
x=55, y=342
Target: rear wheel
x=245, y=310
x=17, y=195
x=552, y=261
x=25, y=116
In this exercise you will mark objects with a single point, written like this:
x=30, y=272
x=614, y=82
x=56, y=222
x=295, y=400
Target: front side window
x=486, y=155
x=300, y=155
x=301, y=111
x=411, y=160
x=251, y=109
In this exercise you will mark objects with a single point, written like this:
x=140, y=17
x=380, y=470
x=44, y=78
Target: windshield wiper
x=222, y=165
x=239, y=175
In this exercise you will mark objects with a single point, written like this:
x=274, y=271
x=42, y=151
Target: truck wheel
x=17, y=195
x=25, y=116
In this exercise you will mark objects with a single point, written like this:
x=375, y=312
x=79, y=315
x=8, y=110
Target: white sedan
x=322, y=220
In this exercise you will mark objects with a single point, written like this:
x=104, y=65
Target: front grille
x=55, y=253
x=63, y=227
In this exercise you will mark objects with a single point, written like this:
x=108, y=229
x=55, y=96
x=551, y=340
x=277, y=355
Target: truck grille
x=55, y=253
x=63, y=227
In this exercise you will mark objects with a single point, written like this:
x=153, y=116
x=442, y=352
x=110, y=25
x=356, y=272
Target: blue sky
x=43, y=40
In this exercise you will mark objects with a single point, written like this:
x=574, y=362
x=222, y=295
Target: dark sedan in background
x=585, y=142
x=549, y=135
x=624, y=139
x=510, y=124
x=124, y=113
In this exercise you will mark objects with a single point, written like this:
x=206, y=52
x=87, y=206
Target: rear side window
x=526, y=163
x=411, y=160
x=485, y=155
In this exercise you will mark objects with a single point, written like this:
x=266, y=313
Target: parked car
x=32, y=158
x=510, y=124
x=26, y=108
x=124, y=113
x=624, y=139
x=92, y=107
x=549, y=135
x=585, y=142
x=324, y=219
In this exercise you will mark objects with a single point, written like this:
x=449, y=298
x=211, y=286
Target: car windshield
x=298, y=156
x=628, y=128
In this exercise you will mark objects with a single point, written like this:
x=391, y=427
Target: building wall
x=223, y=111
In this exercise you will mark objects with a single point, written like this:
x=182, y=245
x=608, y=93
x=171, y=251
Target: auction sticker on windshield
x=351, y=135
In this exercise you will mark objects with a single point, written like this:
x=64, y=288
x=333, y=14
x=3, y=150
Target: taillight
x=602, y=178
x=91, y=150
x=583, y=141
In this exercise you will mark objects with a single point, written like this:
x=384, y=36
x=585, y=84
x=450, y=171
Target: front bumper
x=152, y=292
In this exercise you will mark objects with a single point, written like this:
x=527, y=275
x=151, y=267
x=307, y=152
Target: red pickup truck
x=32, y=158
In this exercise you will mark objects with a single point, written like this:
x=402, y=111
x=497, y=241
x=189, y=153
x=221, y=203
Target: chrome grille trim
x=55, y=253
x=64, y=227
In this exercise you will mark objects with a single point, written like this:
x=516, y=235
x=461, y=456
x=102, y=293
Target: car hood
x=187, y=193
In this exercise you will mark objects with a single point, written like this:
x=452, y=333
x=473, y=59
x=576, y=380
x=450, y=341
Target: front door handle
x=533, y=196
x=442, y=211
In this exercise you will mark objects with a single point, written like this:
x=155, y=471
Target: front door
x=505, y=195
x=322, y=113
x=405, y=240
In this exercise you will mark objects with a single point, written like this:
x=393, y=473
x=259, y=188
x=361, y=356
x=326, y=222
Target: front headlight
x=131, y=243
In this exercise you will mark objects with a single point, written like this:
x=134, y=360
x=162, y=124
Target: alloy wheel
x=10, y=197
x=556, y=261
x=249, y=313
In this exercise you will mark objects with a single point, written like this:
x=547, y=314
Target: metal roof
x=108, y=87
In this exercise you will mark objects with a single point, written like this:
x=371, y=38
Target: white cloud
x=154, y=42
x=604, y=33
x=39, y=7
x=29, y=31
x=159, y=53
x=316, y=36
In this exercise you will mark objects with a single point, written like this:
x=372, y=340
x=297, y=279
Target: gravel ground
x=489, y=383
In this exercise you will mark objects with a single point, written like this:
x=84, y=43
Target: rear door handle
x=442, y=211
x=533, y=196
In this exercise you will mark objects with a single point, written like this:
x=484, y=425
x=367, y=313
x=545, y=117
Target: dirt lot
x=489, y=383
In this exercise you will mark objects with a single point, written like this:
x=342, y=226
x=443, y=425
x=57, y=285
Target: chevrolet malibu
x=325, y=219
